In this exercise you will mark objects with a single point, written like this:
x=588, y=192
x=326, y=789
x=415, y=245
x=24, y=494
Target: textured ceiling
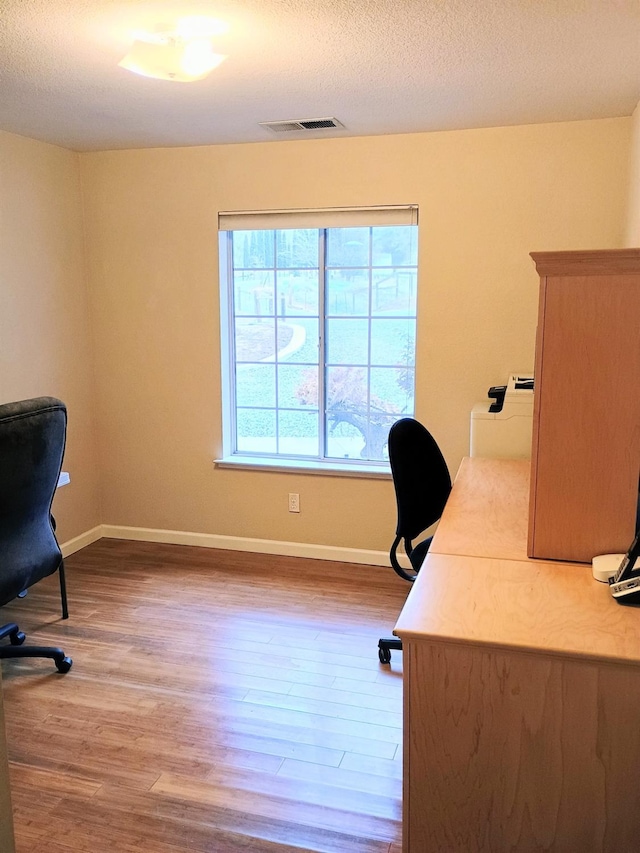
x=379, y=66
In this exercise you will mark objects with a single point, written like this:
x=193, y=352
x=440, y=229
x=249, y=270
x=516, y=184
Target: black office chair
x=32, y=440
x=422, y=485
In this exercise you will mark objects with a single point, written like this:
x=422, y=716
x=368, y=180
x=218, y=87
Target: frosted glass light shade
x=172, y=58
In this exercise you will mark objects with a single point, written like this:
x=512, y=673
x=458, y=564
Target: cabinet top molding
x=592, y=262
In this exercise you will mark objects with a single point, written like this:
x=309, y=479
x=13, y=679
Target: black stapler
x=497, y=392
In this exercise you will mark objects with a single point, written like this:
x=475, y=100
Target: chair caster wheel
x=18, y=638
x=64, y=665
x=384, y=655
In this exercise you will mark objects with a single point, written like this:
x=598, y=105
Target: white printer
x=501, y=427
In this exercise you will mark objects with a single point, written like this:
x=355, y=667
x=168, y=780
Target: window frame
x=274, y=220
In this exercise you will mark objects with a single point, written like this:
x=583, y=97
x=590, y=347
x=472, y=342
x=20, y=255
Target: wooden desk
x=522, y=689
x=487, y=512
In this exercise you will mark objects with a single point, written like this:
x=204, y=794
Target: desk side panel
x=513, y=751
x=535, y=435
x=407, y=749
x=7, y=844
x=586, y=451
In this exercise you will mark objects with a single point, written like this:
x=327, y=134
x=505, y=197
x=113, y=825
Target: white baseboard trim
x=81, y=541
x=239, y=543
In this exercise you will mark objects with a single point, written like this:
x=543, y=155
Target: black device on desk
x=498, y=392
x=625, y=584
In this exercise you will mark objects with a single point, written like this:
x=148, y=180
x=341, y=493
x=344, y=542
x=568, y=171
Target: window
x=319, y=331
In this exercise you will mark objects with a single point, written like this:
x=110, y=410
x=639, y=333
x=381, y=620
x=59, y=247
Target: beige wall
x=487, y=198
x=633, y=215
x=45, y=342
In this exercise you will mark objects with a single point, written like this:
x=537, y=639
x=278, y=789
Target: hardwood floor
x=218, y=701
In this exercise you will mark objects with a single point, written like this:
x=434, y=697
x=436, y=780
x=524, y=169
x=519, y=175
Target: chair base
x=17, y=650
x=385, y=646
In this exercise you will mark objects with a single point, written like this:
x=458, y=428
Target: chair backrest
x=420, y=477
x=32, y=441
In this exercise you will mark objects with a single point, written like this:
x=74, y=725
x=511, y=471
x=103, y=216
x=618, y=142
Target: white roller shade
x=328, y=217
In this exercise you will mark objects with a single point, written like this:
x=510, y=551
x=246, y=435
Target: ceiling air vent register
x=301, y=124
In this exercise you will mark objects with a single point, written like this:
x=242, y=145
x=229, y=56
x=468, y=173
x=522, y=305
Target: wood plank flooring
x=218, y=701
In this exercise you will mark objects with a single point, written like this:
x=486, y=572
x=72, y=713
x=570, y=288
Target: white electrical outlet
x=294, y=502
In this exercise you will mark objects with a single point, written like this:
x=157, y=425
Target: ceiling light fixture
x=182, y=55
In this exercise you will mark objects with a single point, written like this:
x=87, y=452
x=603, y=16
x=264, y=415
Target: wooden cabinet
x=586, y=421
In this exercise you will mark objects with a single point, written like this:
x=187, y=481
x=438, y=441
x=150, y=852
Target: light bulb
x=198, y=58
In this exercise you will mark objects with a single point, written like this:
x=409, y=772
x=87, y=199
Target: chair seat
x=419, y=553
